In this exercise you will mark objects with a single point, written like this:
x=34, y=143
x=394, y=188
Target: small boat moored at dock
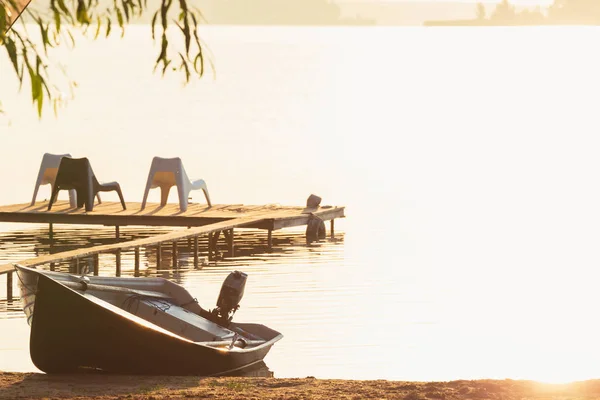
x=136, y=326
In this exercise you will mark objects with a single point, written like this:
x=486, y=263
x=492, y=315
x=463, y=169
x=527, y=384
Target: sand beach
x=98, y=386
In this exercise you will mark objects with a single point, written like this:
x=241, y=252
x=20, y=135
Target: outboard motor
x=230, y=296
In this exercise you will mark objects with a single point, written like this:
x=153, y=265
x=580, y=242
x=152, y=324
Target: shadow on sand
x=97, y=383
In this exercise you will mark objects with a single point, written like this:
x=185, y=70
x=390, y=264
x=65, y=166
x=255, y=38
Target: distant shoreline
x=477, y=22
x=101, y=386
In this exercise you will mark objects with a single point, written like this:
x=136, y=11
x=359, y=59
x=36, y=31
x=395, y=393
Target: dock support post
x=77, y=271
x=118, y=272
x=51, y=232
x=332, y=227
x=52, y=266
x=229, y=237
x=96, y=264
x=9, y=287
x=213, y=238
x=117, y=232
x=270, y=240
x=196, y=251
x=158, y=251
x=136, y=264
x=175, y=264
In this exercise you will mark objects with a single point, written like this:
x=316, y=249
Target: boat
x=131, y=325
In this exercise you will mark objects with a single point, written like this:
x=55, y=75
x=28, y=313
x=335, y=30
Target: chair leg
x=121, y=197
x=183, y=198
x=37, y=185
x=164, y=195
x=80, y=198
x=73, y=198
x=98, y=197
x=55, y=190
x=90, y=196
x=35, y=192
x=205, y=190
x=148, y=186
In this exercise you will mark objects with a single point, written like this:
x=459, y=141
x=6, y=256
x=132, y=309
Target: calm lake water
x=467, y=159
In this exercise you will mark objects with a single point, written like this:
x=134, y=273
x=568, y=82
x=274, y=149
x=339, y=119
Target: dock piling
x=270, y=240
x=229, y=237
x=9, y=287
x=196, y=251
x=96, y=264
x=175, y=255
x=118, y=266
x=158, y=251
x=51, y=232
x=332, y=227
x=117, y=232
x=136, y=264
x=213, y=239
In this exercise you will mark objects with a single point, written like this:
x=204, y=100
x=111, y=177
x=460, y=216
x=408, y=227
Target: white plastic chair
x=168, y=172
x=47, y=175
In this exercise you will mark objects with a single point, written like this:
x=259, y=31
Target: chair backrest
x=75, y=172
x=49, y=167
x=52, y=160
x=174, y=165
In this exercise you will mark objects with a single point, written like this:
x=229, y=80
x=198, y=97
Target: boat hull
x=71, y=332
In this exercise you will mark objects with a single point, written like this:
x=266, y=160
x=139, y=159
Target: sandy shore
x=39, y=386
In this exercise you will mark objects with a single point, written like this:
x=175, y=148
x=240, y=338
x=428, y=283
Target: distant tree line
x=560, y=12
x=276, y=12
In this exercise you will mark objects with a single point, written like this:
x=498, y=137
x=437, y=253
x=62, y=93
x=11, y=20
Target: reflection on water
x=251, y=256
x=259, y=369
x=467, y=162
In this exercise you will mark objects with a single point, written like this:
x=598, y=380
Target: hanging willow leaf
x=71, y=37
x=186, y=68
x=3, y=23
x=11, y=49
x=58, y=19
x=162, y=57
x=185, y=30
x=99, y=22
x=82, y=13
x=64, y=9
x=126, y=10
x=44, y=34
x=120, y=21
x=40, y=103
x=154, y=24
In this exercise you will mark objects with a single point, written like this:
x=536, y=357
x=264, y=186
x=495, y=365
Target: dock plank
x=6, y=268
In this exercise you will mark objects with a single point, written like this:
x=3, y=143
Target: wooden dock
x=200, y=219
x=273, y=216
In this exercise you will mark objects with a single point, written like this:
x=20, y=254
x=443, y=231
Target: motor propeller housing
x=230, y=296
